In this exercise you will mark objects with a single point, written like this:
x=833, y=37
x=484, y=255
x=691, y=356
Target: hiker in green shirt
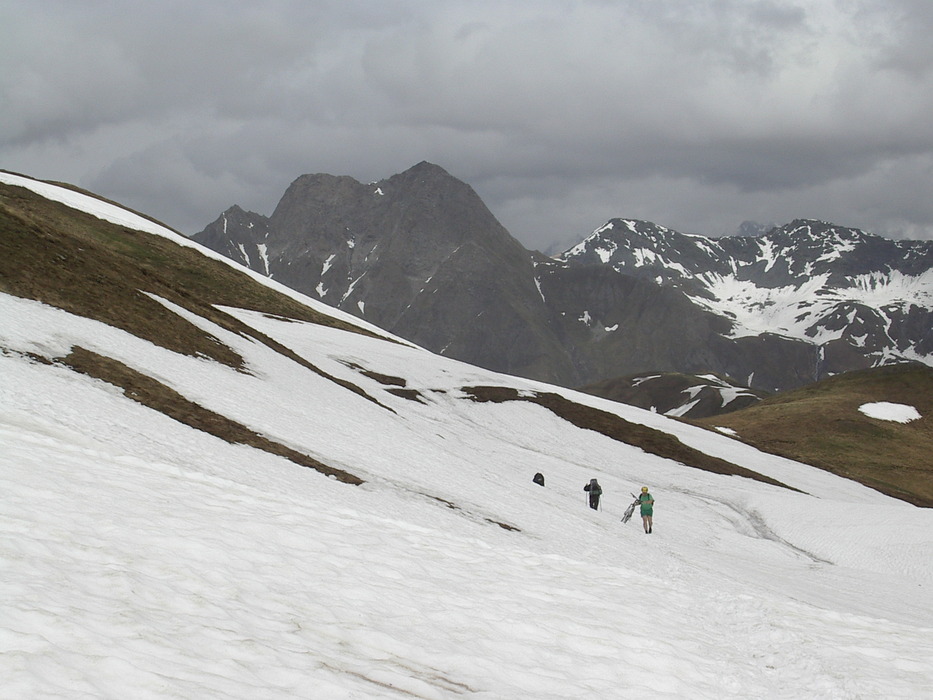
x=646, y=501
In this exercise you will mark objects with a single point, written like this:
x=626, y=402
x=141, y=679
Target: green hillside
x=66, y=258
x=821, y=424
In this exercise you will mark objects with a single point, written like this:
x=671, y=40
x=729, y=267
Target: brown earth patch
x=454, y=506
x=386, y=379
x=157, y=396
x=410, y=394
x=89, y=267
x=612, y=426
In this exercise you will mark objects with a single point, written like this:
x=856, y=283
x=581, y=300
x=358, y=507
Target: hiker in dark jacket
x=595, y=492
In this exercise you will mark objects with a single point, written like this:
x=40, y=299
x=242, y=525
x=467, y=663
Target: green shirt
x=646, y=500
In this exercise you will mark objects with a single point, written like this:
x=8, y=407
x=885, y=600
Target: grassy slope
x=92, y=268
x=820, y=424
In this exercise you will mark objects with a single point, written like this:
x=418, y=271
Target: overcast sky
x=694, y=114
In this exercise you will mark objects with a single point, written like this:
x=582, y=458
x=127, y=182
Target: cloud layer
x=695, y=114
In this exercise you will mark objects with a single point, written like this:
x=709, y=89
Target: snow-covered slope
x=678, y=395
x=143, y=558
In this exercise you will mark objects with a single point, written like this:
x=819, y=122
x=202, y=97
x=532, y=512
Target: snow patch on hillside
x=264, y=256
x=896, y=412
x=792, y=310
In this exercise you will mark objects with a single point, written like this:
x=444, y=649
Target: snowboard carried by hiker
x=645, y=503
x=627, y=515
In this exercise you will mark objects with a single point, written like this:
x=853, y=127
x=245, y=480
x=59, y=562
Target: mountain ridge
x=420, y=255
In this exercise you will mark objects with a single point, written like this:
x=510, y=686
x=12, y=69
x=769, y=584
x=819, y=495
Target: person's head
x=644, y=489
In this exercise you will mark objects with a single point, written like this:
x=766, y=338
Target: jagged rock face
x=419, y=254
x=857, y=299
x=241, y=236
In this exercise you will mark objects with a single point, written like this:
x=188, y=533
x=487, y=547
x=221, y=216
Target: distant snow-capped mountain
x=420, y=255
x=840, y=289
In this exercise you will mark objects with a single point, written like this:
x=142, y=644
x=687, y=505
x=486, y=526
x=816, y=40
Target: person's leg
x=644, y=522
x=650, y=525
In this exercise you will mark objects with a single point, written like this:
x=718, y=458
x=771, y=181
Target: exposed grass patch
x=397, y=384
x=820, y=424
x=410, y=394
x=74, y=261
x=92, y=268
x=612, y=426
x=157, y=396
x=384, y=378
x=454, y=506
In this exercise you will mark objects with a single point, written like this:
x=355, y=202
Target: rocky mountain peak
x=646, y=250
x=753, y=229
x=425, y=171
x=383, y=250
x=419, y=254
x=810, y=234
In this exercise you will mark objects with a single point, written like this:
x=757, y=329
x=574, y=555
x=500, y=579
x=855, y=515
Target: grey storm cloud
x=695, y=114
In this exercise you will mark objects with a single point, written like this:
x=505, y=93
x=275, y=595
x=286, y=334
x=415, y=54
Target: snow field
x=141, y=558
x=149, y=559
